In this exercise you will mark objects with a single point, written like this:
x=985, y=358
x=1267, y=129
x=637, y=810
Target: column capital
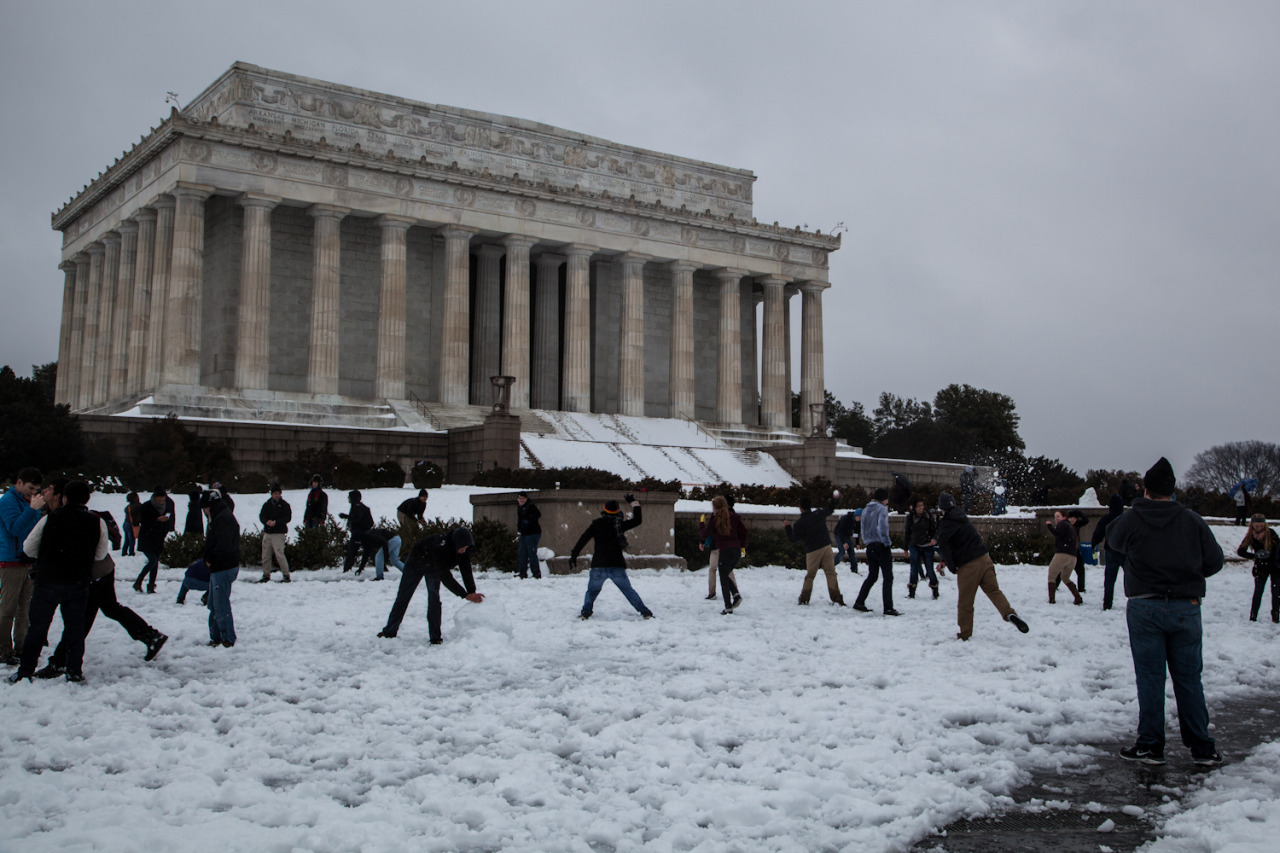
x=682, y=266
x=774, y=280
x=632, y=258
x=80, y=258
x=127, y=226
x=725, y=273
x=166, y=201
x=257, y=200
x=145, y=214
x=457, y=232
x=110, y=238
x=328, y=211
x=574, y=250
x=812, y=286
x=491, y=250
x=95, y=248
x=404, y=223
x=67, y=265
x=518, y=241
x=550, y=257
x=196, y=191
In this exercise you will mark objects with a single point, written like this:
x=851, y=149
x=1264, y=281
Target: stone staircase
x=276, y=408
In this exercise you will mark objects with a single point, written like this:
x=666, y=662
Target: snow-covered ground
x=777, y=728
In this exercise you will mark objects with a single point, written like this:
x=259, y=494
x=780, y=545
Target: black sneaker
x=803, y=601
x=18, y=676
x=728, y=611
x=584, y=616
x=390, y=635
x=50, y=671
x=1143, y=754
x=437, y=642
x=285, y=579
x=1017, y=622
x=892, y=612
x=265, y=579
x=155, y=644
x=737, y=599
x=12, y=660
x=711, y=597
x=75, y=677
x=1212, y=759
x=647, y=615
x=861, y=608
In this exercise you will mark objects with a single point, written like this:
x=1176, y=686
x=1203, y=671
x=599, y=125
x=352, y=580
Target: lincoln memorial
x=284, y=247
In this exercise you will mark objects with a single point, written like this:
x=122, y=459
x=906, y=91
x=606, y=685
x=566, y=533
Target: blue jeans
x=129, y=547
x=1167, y=634
x=1114, y=563
x=847, y=556
x=390, y=555
x=922, y=565
x=619, y=577
x=191, y=583
x=222, y=626
x=527, y=560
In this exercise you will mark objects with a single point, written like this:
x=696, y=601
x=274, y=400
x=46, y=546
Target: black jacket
x=359, y=519
x=376, y=540
x=1168, y=550
x=847, y=526
x=70, y=538
x=607, y=531
x=1115, y=509
x=810, y=529
x=151, y=530
x=435, y=555
x=958, y=540
x=919, y=531
x=527, y=519
x=1065, y=538
x=1265, y=560
x=317, y=509
x=413, y=507
x=222, y=543
x=278, y=511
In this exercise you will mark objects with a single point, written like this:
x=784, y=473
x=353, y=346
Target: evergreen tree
x=34, y=431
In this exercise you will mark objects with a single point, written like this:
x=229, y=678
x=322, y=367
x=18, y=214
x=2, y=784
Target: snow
x=776, y=728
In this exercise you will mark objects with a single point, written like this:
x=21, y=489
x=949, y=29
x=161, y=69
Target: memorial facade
x=284, y=242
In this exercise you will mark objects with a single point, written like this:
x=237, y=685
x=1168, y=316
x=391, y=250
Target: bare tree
x=1223, y=465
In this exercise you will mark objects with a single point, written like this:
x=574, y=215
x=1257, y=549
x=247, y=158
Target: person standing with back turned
x=1168, y=552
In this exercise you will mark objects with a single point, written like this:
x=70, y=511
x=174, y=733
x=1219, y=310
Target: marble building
x=285, y=245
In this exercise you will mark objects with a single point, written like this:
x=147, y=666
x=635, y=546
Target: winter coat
x=1265, y=561
x=1115, y=508
x=735, y=538
x=195, y=518
x=847, y=526
x=65, y=543
x=152, y=531
x=608, y=532
x=414, y=508
x=359, y=519
x=920, y=531
x=222, y=544
x=198, y=571
x=17, y=520
x=1065, y=540
x=435, y=555
x=317, y=509
x=278, y=511
x=1168, y=550
x=810, y=529
x=958, y=540
x=527, y=519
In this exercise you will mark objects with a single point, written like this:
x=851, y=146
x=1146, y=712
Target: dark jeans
x=849, y=556
x=152, y=566
x=191, y=583
x=1167, y=634
x=922, y=565
x=222, y=622
x=1114, y=563
x=725, y=564
x=45, y=600
x=879, y=559
x=527, y=556
x=354, y=548
x=410, y=577
x=128, y=547
x=102, y=596
x=1259, y=584
x=598, y=576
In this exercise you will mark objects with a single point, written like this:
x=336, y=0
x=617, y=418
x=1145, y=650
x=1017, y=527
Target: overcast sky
x=1073, y=203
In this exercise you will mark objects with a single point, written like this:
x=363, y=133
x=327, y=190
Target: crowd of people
x=55, y=556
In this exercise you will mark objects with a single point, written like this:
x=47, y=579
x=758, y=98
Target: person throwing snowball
x=607, y=562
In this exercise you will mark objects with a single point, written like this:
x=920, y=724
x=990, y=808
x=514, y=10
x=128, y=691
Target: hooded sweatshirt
x=1115, y=508
x=958, y=540
x=1168, y=550
x=607, y=532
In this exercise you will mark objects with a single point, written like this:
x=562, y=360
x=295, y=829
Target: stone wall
x=493, y=444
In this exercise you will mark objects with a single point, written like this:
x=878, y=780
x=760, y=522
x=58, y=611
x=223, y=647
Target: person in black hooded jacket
x=359, y=521
x=1113, y=560
x=961, y=547
x=607, y=562
x=431, y=561
x=222, y=557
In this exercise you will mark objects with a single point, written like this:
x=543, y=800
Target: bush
x=769, y=546
x=251, y=549
x=687, y=542
x=248, y=484
x=387, y=475
x=296, y=473
x=426, y=475
x=351, y=474
x=321, y=547
x=495, y=546
x=1011, y=549
x=181, y=550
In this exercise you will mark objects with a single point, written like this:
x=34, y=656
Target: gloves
x=573, y=563
x=629, y=498
x=743, y=552
x=703, y=518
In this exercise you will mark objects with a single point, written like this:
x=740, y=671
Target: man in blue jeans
x=607, y=561
x=530, y=532
x=1168, y=552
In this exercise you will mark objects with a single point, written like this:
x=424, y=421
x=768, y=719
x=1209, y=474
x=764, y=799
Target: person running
x=920, y=534
x=730, y=537
x=431, y=562
x=875, y=533
x=810, y=532
x=1261, y=545
x=156, y=522
x=961, y=547
x=607, y=561
x=1066, y=548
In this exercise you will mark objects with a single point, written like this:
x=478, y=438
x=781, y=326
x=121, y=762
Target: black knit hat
x=1159, y=479
x=946, y=502
x=880, y=494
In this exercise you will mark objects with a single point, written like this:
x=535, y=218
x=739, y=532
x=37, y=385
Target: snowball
x=1108, y=825
x=489, y=615
x=545, y=554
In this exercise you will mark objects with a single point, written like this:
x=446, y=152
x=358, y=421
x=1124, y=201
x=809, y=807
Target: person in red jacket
x=730, y=536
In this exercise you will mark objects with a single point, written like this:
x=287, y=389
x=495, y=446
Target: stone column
x=750, y=301
x=455, y=372
x=729, y=372
x=775, y=402
x=392, y=307
x=326, y=270
x=575, y=387
x=75, y=364
x=106, y=317
x=89, y=343
x=631, y=335
x=122, y=320
x=140, y=316
x=681, y=382
x=788, y=292
x=183, y=322
x=486, y=343
x=546, y=333
x=812, y=387
x=253, y=327
x=162, y=263
x=515, y=318
x=64, y=330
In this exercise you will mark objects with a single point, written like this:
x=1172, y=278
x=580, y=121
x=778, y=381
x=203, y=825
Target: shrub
x=426, y=475
x=248, y=484
x=350, y=474
x=181, y=550
x=769, y=546
x=387, y=475
x=296, y=473
x=687, y=542
x=320, y=547
x=495, y=546
x=1011, y=549
x=251, y=549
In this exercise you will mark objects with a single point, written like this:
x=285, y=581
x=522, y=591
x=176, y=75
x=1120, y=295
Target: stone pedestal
x=494, y=444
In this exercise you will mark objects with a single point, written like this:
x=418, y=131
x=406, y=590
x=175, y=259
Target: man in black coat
x=810, y=532
x=530, y=532
x=607, y=561
x=1168, y=552
x=961, y=547
x=155, y=521
x=431, y=561
x=359, y=521
x=275, y=517
x=222, y=557
x=412, y=511
x=64, y=545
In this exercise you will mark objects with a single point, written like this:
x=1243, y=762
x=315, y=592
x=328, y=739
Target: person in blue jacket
x=19, y=511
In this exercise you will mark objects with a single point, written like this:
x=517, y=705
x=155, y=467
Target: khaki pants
x=972, y=576
x=273, y=545
x=1061, y=566
x=15, y=601
x=825, y=560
